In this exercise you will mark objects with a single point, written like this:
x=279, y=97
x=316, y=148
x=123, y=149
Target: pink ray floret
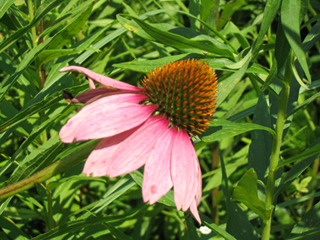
x=101, y=80
x=132, y=136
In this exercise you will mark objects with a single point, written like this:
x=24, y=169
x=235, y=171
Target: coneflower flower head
x=185, y=93
x=149, y=125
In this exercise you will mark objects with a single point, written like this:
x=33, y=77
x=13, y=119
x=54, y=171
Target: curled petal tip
x=64, y=69
x=74, y=68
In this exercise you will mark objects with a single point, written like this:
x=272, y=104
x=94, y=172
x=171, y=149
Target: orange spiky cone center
x=185, y=92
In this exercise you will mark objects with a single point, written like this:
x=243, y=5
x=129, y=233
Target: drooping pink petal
x=157, y=171
x=106, y=117
x=194, y=211
x=135, y=150
x=184, y=170
x=199, y=190
x=87, y=95
x=98, y=161
x=102, y=80
x=91, y=84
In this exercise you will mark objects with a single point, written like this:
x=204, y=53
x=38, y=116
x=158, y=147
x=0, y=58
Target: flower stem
x=33, y=29
x=59, y=166
x=277, y=140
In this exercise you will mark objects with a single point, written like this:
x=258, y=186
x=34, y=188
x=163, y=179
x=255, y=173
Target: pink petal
x=102, y=80
x=98, y=161
x=91, y=84
x=135, y=150
x=184, y=170
x=199, y=190
x=106, y=117
x=194, y=211
x=121, y=97
x=157, y=175
x=87, y=95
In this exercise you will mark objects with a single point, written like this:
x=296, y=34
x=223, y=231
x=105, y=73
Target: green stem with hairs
x=276, y=145
x=59, y=166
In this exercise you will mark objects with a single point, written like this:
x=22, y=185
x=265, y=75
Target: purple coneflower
x=149, y=125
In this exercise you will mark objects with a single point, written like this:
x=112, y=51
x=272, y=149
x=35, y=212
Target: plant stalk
x=277, y=140
x=50, y=171
x=33, y=29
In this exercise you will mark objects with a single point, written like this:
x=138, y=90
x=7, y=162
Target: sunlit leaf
x=220, y=129
x=247, y=193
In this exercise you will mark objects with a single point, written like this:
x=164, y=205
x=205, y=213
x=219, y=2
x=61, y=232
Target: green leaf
x=228, y=84
x=50, y=54
x=76, y=225
x=113, y=35
x=120, y=188
x=77, y=155
x=4, y=6
x=219, y=129
x=28, y=59
x=72, y=29
x=219, y=231
x=229, y=8
x=44, y=8
x=312, y=38
x=196, y=44
x=313, y=151
x=116, y=232
x=11, y=229
x=261, y=145
x=237, y=223
x=8, y=111
x=135, y=28
x=191, y=231
x=297, y=169
x=269, y=13
x=231, y=29
x=149, y=65
x=209, y=13
x=69, y=12
x=194, y=9
x=37, y=130
x=305, y=103
x=247, y=193
x=217, y=178
x=291, y=27
x=146, y=66
x=308, y=227
x=38, y=159
x=36, y=108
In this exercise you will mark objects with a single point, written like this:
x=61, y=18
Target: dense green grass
x=259, y=158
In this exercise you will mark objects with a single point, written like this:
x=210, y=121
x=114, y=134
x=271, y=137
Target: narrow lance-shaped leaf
x=291, y=26
x=221, y=128
x=197, y=44
x=4, y=6
x=261, y=145
x=308, y=226
x=219, y=231
x=44, y=8
x=38, y=107
x=269, y=13
x=226, y=86
x=28, y=59
x=237, y=224
x=73, y=28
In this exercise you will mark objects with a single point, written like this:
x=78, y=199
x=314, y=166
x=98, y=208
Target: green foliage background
x=267, y=58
